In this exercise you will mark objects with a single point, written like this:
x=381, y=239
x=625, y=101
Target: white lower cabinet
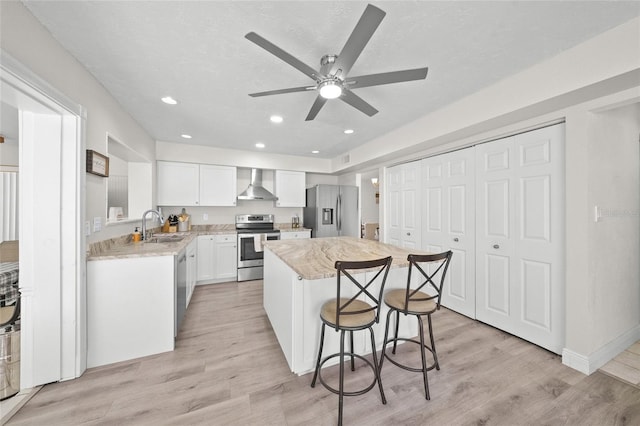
x=217, y=258
x=206, y=244
x=295, y=235
x=226, y=257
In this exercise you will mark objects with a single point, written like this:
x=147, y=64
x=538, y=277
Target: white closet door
x=403, y=206
x=448, y=223
x=519, y=196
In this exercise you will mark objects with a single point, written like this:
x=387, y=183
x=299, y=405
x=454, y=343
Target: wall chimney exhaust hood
x=255, y=190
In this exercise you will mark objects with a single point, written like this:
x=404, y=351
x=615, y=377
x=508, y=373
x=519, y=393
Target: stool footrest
x=349, y=393
x=403, y=366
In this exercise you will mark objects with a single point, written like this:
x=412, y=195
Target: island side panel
x=130, y=308
x=278, y=293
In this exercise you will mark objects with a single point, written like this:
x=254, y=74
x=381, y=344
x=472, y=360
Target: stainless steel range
x=253, y=230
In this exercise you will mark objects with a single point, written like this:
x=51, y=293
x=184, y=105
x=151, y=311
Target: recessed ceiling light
x=348, y=131
x=169, y=100
x=259, y=145
x=186, y=136
x=315, y=152
x=275, y=119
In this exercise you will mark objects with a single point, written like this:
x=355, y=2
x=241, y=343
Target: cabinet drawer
x=225, y=238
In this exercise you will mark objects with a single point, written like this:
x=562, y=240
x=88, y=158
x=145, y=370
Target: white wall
x=9, y=153
x=614, y=242
x=22, y=37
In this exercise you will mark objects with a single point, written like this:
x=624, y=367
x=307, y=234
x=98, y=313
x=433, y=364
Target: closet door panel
x=520, y=235
x=448, y=202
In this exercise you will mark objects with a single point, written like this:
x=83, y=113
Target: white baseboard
x=588, y=364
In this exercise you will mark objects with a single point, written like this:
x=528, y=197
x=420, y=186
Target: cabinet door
x=205, y=268
x=192, y=269
x=519, y=195
x=226, y=262
x=403, y=205
x=448, y=223
x=178, y=184
x=218, y=185
x=290, y=188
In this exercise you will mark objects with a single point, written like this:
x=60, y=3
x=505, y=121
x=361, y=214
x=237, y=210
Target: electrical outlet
x=97, y=224
x=205, y=216
x=87, y=228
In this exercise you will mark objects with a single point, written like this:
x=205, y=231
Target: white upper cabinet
x=178, y=184
x=290, y=188
x=218, y=185
x=189, y=184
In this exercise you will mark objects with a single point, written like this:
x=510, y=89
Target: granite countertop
x=124, y=247
x=315, y=258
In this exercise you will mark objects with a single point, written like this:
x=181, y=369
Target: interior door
x=403, y=206
x=520, y=286
x=448, y=223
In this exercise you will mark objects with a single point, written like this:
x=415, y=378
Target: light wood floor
x=626, y=366
x=228, y=369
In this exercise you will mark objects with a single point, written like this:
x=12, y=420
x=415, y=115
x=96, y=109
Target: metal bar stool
x=353, y=314
x=415, y=301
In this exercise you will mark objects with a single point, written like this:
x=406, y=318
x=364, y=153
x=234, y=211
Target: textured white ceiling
x=196, y=52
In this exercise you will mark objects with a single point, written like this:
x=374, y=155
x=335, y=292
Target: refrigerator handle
x=339, y=213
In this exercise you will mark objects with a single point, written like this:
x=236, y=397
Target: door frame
x=64, y=235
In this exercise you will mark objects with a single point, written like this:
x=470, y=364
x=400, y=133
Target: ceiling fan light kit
x=332, y=81
x=330, y=89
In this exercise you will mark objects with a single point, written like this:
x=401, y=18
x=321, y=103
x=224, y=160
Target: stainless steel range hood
x=255, y=190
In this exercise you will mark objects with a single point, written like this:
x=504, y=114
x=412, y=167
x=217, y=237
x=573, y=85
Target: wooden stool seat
x=419, y=304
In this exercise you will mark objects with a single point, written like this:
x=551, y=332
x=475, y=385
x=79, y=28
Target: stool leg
x=341, y=385
x=433, y=343
x=353, y=365
x=315, y=375
x=395, y=341
x=424, y=359
x=386, y=334
x=375, y=366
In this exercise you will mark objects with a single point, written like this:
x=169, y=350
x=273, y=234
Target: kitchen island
x=299, y=276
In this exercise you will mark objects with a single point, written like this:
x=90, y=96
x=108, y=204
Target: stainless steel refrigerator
x=332, y=211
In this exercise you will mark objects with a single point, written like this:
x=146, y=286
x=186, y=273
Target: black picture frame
x=97, y=163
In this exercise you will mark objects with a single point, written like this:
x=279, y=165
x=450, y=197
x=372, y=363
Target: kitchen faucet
x=144, y=222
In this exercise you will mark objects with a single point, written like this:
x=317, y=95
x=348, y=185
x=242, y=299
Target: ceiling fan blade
x=386, y=78
x=315, y=108
x=358, y=39
x=288, y=58
x=358, y=103
x=281, y=91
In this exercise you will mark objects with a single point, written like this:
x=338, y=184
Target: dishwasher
x=181, y=289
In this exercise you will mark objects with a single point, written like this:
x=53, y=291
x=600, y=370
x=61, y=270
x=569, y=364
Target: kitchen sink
x=165, y=239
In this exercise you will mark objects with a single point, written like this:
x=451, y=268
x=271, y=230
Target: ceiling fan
x=332, y=80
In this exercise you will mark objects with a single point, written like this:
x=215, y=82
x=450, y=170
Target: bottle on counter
x=184, y=219
x=136, y=236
